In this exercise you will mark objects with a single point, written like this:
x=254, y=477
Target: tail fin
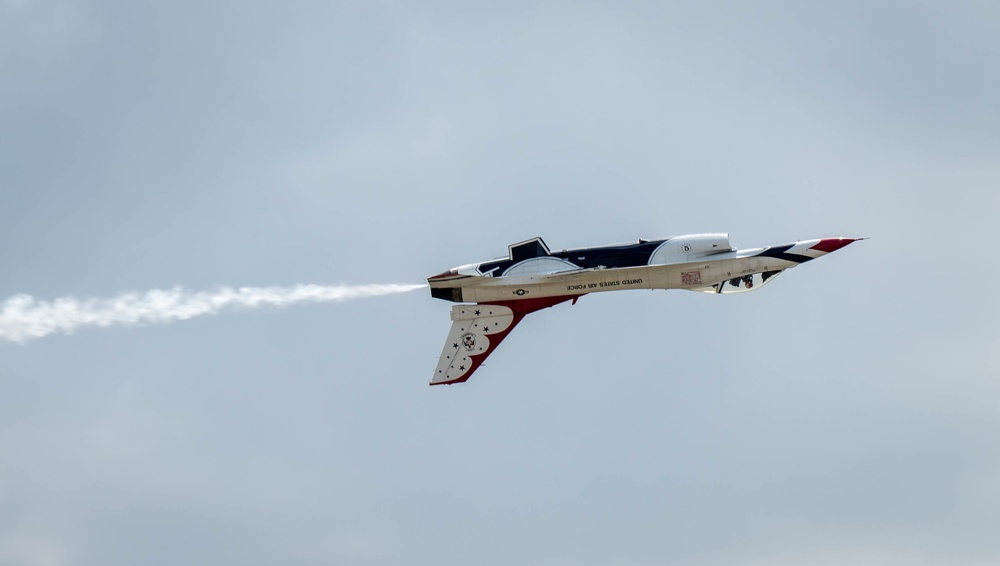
x=477, y=330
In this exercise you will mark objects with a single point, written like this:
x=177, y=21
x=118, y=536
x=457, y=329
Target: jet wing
x=477, y=330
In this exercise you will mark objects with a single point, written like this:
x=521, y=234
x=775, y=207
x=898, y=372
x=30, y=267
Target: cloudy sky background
x=846, y=414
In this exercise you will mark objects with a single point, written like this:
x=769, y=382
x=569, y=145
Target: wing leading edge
x=477, y=330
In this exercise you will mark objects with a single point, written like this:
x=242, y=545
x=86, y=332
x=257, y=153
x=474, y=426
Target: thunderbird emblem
x=469, y=341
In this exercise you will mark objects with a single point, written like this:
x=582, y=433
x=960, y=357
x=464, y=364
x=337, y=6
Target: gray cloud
x=840, y=415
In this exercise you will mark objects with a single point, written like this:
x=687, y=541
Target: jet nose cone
x=828, y=245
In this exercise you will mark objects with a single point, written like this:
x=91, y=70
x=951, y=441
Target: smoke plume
x=23, y=318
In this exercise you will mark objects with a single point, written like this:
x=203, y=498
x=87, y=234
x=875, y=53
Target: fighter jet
x=532, y=277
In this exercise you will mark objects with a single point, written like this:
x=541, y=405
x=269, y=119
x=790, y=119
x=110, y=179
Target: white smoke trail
x=22, y=318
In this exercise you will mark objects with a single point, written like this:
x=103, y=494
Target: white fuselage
x=699, y=262
x=696, y=276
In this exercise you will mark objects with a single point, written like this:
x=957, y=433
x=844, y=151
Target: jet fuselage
x=703, y=262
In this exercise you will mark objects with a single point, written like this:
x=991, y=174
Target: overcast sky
x=846, y=414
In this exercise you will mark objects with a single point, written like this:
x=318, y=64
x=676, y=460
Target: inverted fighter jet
x=532, y=277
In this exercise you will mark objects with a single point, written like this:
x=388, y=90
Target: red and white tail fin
x=477, y=330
